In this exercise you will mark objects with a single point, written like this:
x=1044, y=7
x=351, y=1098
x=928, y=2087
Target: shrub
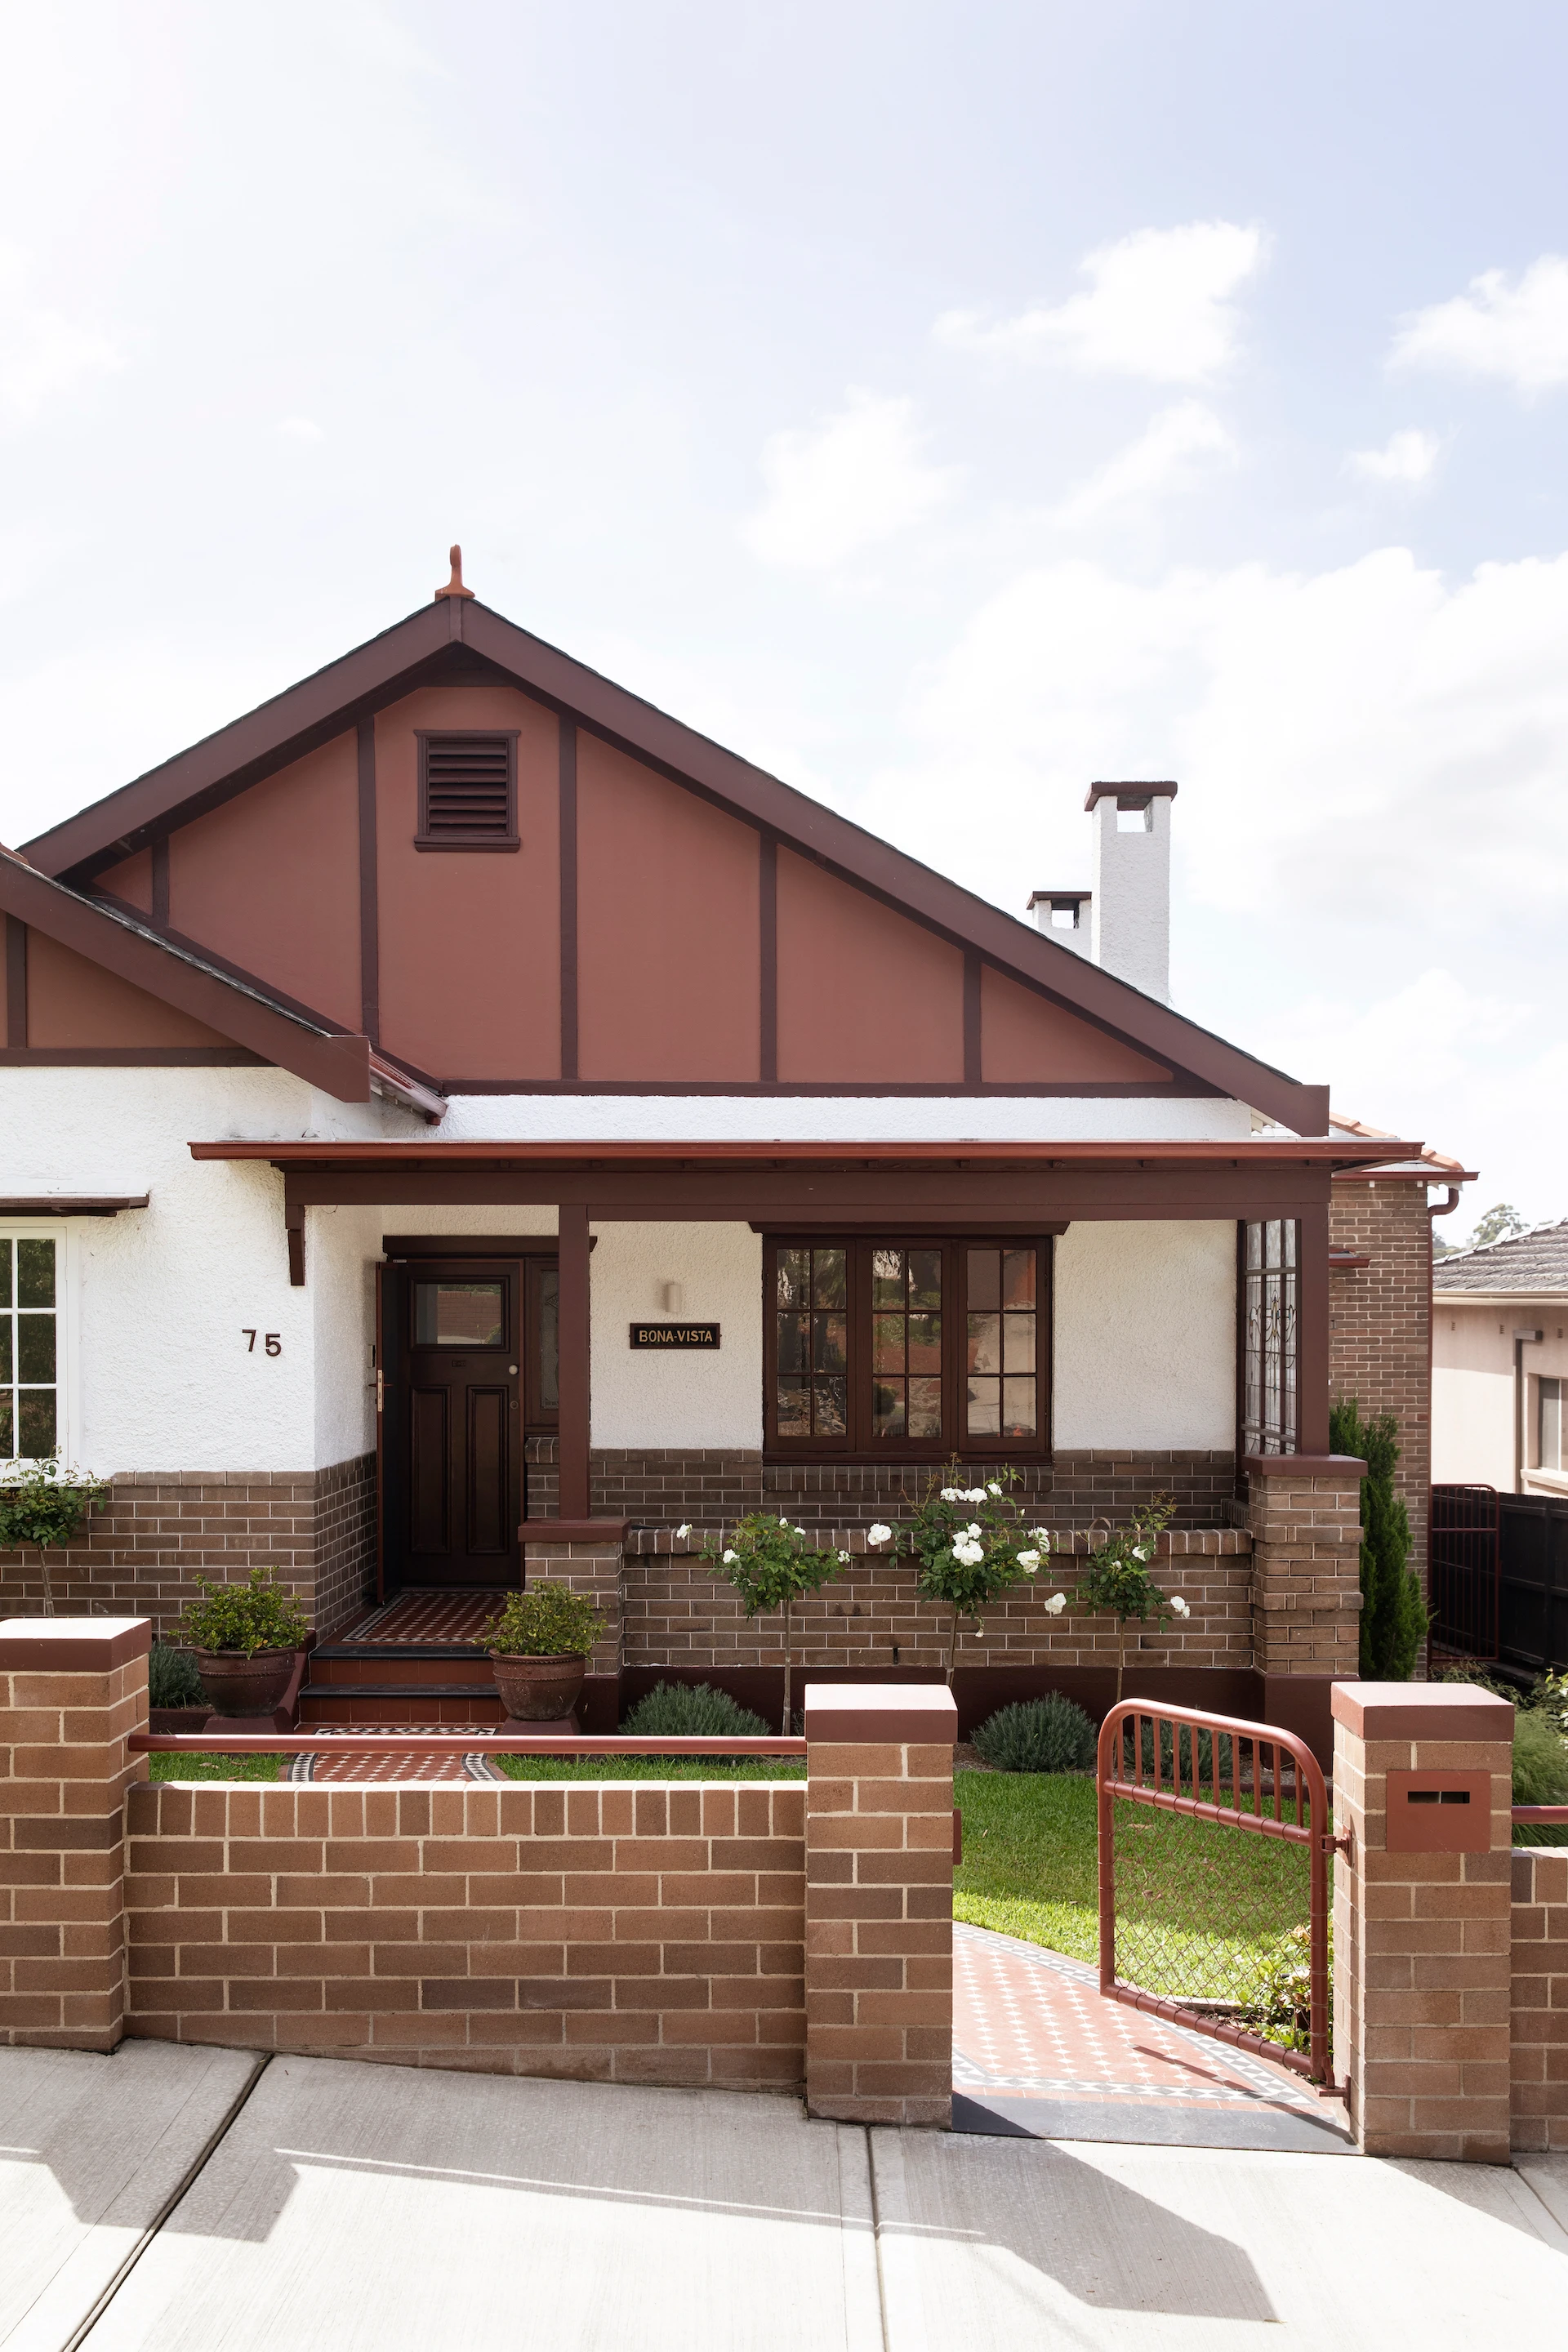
x=1116, y=1577
x=969, y=1545
x=691, y=1711
x=771, y=1565
x=1038, y=1735
x=1540, y=1776
x=1205, y=1753
x=172, y=1677
x=248, y=1617
x=45, y=1505
x=1393, y=1616
x=546, y=1621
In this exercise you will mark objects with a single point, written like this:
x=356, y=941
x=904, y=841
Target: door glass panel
x=460, y=1314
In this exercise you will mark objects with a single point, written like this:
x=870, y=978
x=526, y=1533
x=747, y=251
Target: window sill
x=428, y=841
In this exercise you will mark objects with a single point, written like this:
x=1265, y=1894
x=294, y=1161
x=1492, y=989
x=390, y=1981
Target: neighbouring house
x=1499, y=1364
x=461, y=1122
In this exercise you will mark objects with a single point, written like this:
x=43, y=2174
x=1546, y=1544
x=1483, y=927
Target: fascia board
x=337, y=1063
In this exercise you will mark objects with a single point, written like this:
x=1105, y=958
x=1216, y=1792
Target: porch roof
x=1268, y=1152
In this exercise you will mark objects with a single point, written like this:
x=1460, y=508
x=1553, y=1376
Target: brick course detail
x=1380, y=1324
x=1539, y=2088
x=1306, y=1574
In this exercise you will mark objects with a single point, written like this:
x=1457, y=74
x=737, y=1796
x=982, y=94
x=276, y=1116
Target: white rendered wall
x=1132, y=901
x=1145, y=1335
x=1472, y=1387
x=687, y=1397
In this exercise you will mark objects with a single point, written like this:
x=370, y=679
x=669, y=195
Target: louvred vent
x=468, y=788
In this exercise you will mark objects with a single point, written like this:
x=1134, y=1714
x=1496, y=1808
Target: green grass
x=649, y=1768
x=1190, y=1895
x=214, y=1767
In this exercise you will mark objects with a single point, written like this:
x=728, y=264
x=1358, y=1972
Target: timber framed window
x=1268, y=1342
x=467, y=791
x=915, y=1348
x=1548, y=1424
x=32, y=1399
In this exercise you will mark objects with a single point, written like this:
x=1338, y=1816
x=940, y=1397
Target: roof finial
x=454, y=586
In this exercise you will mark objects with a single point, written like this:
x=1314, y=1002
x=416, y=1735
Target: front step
x=338, y=1665
x=362, y=1685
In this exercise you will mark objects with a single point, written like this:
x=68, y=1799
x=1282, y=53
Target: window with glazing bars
x=1270, y=1255
x=29, y=1355
x=922, y=1347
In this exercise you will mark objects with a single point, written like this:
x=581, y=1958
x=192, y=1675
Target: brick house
x=461, y=1122
x=1501, y=1363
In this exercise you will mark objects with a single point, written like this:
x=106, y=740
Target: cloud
x=1164, y=458
x=43, y=354
x=857, y=477
x=1160, y=305
x=1518, y=333
x=300, y=428
x=1406, y=457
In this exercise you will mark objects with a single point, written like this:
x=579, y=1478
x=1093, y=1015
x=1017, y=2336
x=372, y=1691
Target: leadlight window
x=1269, y=1303
x=29, y=1348
x=881, y=1347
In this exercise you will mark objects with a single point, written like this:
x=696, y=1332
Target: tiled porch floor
x=414, y=1616
x=1039, y=2051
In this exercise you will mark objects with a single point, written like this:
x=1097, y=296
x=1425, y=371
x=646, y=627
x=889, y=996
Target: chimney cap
x=1131, y=792
x=1059, y=899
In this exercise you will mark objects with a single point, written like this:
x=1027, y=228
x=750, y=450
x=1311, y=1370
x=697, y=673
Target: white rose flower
x=1042, y=1536
x=972, y=1529
x=975, y=1495
x=994, y=1487
x=1029, y=1559
x=1180, y=1606
x=731, y=1558
x=950, y=1494
x=1056, y=1604
x=1144, y=1551
x=968, y=1554
x=879, y=1534
x=681, y=1533
x=844, y=1558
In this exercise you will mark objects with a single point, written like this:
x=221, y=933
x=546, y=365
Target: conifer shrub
x=1037, y=1735
x=1393, y=1617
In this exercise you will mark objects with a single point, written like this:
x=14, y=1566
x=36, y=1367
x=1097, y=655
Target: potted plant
x=46, y=1507
x=540, y=1645
x=245, y=1637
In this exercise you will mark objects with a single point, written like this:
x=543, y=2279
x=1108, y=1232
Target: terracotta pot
x=235, y=1685
x=538, y=1690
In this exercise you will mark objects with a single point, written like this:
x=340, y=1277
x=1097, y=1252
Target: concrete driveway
x=353, y=2206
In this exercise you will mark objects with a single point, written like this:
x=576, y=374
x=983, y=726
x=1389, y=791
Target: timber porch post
x=575, y=1402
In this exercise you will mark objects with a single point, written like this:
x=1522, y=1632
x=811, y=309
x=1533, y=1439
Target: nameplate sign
x=675, y=1335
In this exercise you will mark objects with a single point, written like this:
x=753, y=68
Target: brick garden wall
x=642, y=1934
x=1379, y=1334
x=141, y=1555
x=1539, y=2085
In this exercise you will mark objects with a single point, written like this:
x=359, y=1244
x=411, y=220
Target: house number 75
x=273, y=1341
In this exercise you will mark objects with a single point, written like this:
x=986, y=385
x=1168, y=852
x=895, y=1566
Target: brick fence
x=1539, y=1997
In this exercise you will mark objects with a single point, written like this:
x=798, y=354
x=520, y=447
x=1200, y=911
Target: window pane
x=925, y=1408
x=793, y=1278
x=984, y=1413
x=5, y=1368
x=985, y=1278
x=1018, y=1343
x=925, y=1278
x=36, y=1417
x=4, y=1273
x=35, y=1274
x=985, y=1343
x=831, y=1408
x=887, y=1277
x=1017, y=1277
x=36, y=1347
x=550, y=1339
x=458, y=1315
x=888, y=1408
x=1017, y=1407
x=887, y=1343
x=7, y=1439
x=795, y=1408
x=792, y=1356
x=925, y=1343
x=828, y=1277
x=829, y=1341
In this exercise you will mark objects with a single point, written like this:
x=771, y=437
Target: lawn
x=214, y=1767
x=1200, y=1909
x=516, y=1768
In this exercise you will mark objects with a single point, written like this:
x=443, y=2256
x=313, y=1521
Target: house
x=1499, y=1364
x=461, y=1122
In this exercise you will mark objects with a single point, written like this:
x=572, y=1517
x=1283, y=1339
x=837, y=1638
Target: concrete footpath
x=172, y=2199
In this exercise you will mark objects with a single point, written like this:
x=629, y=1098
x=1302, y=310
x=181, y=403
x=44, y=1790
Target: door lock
x=511, y=1368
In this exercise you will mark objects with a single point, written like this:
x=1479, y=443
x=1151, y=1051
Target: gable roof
x=234, y=1004
x=1524, y=1265
x=460, y=638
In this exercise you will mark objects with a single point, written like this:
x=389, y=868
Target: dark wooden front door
x=453, y=1423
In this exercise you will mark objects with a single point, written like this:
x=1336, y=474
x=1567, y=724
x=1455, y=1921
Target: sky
x=943, y=406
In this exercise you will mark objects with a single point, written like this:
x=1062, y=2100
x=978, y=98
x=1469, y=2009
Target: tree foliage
x=1393, y=1617
x=770, y=1564
x=1499, y=1224
x=969, y=1545
x=1117, y=1578
x=46, y=1507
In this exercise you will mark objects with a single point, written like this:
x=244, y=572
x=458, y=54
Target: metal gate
x=1466, y=1572
x=1260, y=1858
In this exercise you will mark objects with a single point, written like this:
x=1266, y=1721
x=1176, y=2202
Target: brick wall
x=1306, y=1556
x=141, y=1555
x=1379, y=1325
x=1539, y=2051
x=644, y=1934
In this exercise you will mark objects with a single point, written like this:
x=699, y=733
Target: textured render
x=1422, y=1941
x=1306, y=1561
x=642, y=1934
x=66, y=1774
x=642, y=1398
x=879, y=1906
x=1144, y=1341
x=1379, y=1328
x=1538, y=2096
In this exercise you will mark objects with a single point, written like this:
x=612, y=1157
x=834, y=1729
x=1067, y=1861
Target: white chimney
x=1063, y=916
x=1131, y=935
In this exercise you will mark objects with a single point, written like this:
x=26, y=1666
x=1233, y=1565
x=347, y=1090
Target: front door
x=453, y=1422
